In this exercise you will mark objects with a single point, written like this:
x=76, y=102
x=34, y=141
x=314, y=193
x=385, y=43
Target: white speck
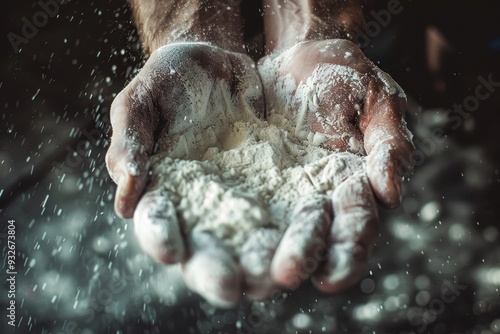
x=430, y=211
x=34, y=96
x=45, y=201
x=456, y=232
x=367, y=312
x=391, y=282
x=302, y=321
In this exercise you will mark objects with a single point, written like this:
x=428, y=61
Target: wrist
x=290, y=22
x=161, y=22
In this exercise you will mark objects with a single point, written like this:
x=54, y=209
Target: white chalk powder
x=252, y=179
x=233, y=175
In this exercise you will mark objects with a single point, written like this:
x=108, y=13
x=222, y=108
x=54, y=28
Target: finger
x=211, y=271
x=134, y=121
x=255, y=261
x=303, y=245
x=354, y=231
x=387, y=140
x=157, y=227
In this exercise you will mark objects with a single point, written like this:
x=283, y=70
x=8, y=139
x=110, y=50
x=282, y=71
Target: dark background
x=54, y=184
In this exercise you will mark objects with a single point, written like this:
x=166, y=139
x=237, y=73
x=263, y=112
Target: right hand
x=333, y=89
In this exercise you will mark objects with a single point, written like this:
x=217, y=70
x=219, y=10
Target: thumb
x=133, y=122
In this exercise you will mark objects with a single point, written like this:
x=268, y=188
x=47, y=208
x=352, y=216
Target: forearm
x=161, y=22
x=288, y=22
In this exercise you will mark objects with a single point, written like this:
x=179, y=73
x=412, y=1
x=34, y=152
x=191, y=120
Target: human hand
x=329, y=87
x=182, y=86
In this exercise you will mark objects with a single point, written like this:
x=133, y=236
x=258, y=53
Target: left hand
x=330, y=87
x=182, y=87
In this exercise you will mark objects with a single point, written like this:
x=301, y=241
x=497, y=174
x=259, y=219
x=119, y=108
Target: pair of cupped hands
x=328, y=240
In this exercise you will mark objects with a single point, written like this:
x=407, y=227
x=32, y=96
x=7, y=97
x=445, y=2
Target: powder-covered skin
x=239, y=181
x=244, y=203
x=250, y=181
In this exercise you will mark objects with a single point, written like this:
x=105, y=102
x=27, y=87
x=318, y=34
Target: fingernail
x=124, y=187
x=119, y=185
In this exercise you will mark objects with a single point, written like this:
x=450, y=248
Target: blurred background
x=436, y=266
